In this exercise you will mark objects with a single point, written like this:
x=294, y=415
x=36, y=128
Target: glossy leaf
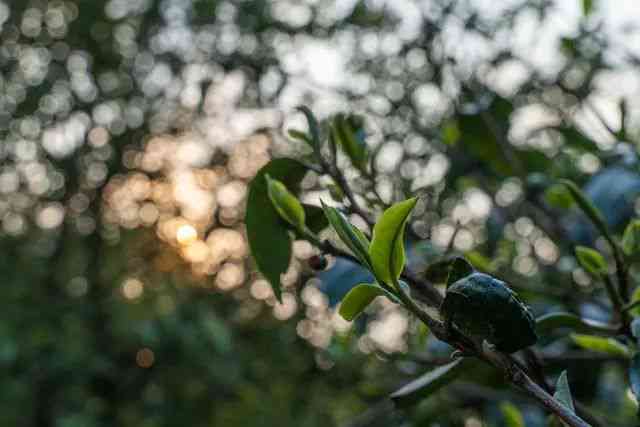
x=601, y=345
x=591, y=260
x=358, y=299
x=428, y=383
x=287, y=205
x=268, y=235
x=552, y=321
x=512, y=415
x=387, y=245
x=631, y=238
x=351, y=236
x=563, y=392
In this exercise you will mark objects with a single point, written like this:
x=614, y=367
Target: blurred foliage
x=130, y=130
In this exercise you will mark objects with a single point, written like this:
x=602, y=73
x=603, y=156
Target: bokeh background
x=130, y=129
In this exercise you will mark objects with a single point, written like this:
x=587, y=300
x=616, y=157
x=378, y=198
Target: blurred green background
x=129, y=130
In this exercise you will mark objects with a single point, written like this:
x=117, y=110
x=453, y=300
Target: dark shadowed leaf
x=316, y=220
x=267, y=234
x=550, y=322
x=428, y=383
x=587, y=207
x=314, y=128
x=448, y=271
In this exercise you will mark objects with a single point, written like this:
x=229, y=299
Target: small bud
x=285, y=203
x=318, y=262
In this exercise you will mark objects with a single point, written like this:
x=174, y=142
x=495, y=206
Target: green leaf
x=635, y=312
x=631, y=238
x=448, y=271
x=316, y=220
x=348, y=131
x=634, y=375
x=300, y=136
x=428, y=383
x=591, y=261
x=387, y=246
x=479, y=138
x=552, y=321
x=268, y=235
x=358, y=299
x=558, y=196
x=287, y=205
x=512, y=415
x=314, y=128
x=587, y=7
x=563, y=392
x=601, y=345
x=355, y=240
x=587, y=207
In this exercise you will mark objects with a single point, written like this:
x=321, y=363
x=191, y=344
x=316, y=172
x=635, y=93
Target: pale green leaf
x=563, y=392
x=286, y=204
x=387, y=246
x=512, y=415
x=631, y=238
x=601, y=345
x=351, y=236
x=591, y=260
x=358, y=298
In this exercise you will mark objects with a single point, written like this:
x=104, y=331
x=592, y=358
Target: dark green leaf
x=549, y=322
x=591, y=260
x=480, y=138
x=563, y=392
x=587, y=7
x=428, y=383
x=448, y=271
x=601, y=345
x=358, y=299
x=349, y=133
x=587, y=207
x=512, y=415
x=314, y=128
x=316, y=220
x=268, y=236
x=387, y=245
